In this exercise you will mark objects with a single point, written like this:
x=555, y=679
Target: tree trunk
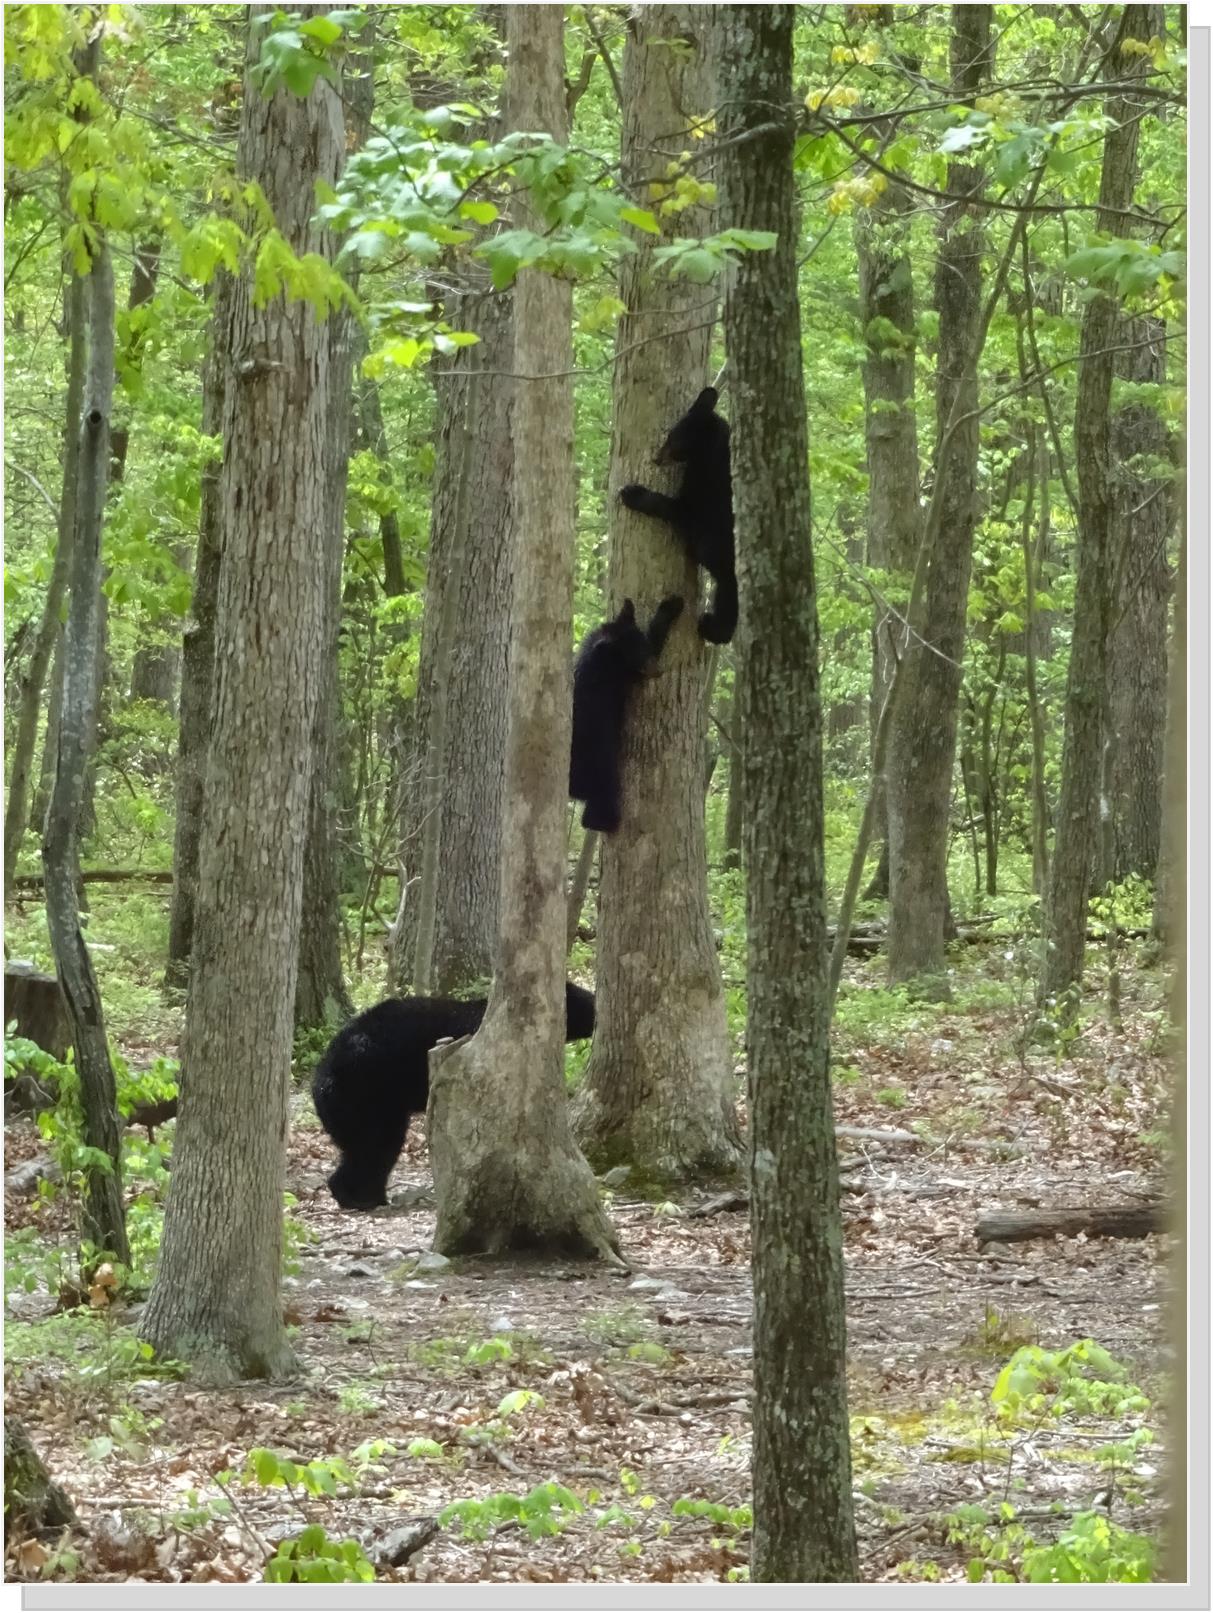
x=922, y=747
x=451, y=833
x=33, y=1503
x=804, y=1528
x=1032, y=548
x=580, y=884
x=659, y=1092
x=321, y=995
x=507, y=1174
x=16, y=817
x=156, y=661
x=215, y=1302
x=1086, y=715
x=886, y=309
x=103, y=1225
x=735, y=811
x=1137, y=646
x=198, y=652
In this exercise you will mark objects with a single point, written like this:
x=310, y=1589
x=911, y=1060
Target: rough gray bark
x=803, y=1523
x=1086, y=714
x=321, y=995
x=103, y=1223
x=658, y=1092
x=451, y=810
x=216, y=1302
x=507, y=1174
x=157, y=659
x=16, y=817
x=922, y=747
x=1137, y=643
x=198, y=654
x=886, y=310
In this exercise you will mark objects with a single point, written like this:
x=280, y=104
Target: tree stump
x=33, y=1503
x=35, y=1001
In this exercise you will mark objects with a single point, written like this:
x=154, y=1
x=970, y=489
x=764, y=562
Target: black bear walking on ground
x=610, y=664
x=375, y=1076
x=701, y=512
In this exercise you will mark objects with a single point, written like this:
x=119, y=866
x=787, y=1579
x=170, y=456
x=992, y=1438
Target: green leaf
x=478, y=212
x=640, y=218
x=322, y=29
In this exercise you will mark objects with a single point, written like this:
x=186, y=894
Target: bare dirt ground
x=642, y=1383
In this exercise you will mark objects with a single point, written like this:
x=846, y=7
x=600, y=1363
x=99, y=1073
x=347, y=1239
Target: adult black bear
x=375, y=1076
x=701, y=512
x=610, y=664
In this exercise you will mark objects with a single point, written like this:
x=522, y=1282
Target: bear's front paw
x=633, y=495
x=672, y=606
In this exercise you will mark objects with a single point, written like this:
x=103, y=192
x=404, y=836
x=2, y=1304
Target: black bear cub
x=701, y=512
x=609, y=665
x=375, y=1076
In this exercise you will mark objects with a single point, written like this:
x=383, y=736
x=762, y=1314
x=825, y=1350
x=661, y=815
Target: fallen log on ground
x=104, y=876
x=1120, y=1221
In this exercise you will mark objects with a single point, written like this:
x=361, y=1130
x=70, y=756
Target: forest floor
x=638, y=1386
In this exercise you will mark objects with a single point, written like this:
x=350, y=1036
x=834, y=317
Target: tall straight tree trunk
x=886, y=309
x=804, y=1529
x=734, y=816
x=1137, y=644
x=198, y=652
x=922, y=747
x=451, y=807
x=157, y=658
x=507, y=1174
x=16, y=817
x=1086, y=716
x=658, y=1091
x=454, y=803
x=321, y=995
x=103, y=1223
x=216, y=1299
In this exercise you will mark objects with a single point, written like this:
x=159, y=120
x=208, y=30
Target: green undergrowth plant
x=311, y=1556
x=1041, y=1389
x=542, y=1512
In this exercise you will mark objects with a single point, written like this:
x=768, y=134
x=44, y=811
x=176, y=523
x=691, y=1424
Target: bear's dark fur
x=375, y=1076
x=609, y=665
x=701, y=512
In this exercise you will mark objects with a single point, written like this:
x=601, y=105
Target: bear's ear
x=706, y=401
x=627, y=616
